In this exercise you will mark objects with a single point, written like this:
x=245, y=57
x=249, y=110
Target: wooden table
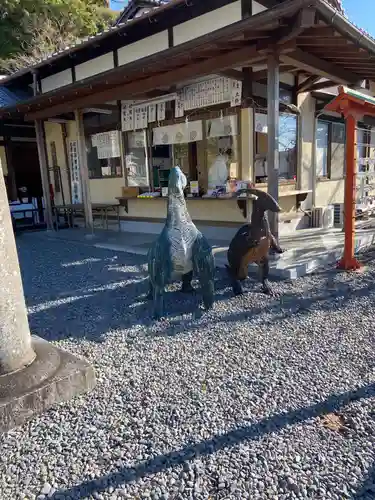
x=78, y=208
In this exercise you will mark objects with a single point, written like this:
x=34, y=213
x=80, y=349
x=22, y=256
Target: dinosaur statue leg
x=236, y=284
x=158, y=293
x=186, y=283
x=204, y=267
x=264, y=272
x=150, y=294
x=275, y=247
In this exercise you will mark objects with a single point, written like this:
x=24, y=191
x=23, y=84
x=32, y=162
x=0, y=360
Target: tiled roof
x=160, y=5
x=133, y=7
x=10, y=98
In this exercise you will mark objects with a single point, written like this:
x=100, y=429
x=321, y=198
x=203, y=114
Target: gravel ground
x=224, y=405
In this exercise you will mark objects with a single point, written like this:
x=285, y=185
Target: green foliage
x=28, y=27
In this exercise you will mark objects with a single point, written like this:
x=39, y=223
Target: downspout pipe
x=344, y=26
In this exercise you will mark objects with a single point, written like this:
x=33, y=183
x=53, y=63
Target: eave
x=310, y=36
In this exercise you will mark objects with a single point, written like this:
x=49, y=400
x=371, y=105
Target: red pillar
x=348, y=261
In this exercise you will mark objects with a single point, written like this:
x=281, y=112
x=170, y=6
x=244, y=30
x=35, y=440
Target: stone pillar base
x=53, y=377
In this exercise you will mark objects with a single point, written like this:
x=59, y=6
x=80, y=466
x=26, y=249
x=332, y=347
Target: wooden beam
x=84, y=170
x=246, y=8
x=233, y=73
x=303, y=20
x=318, y=31
x=262, y=74
x=249, y=55
x=247, y=86
x=321, y=85
x=273, y=99
x=44, y=172
x=302, y=87
x=315, y=65
x=339, y=43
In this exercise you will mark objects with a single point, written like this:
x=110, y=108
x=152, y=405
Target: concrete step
x=305, y=252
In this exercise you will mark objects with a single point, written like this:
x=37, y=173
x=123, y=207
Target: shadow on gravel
x=367, y=489
x=91, y=312
x=275, y=423
x=87, y=294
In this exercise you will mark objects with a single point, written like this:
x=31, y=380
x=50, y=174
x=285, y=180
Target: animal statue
x=181, y=250
x=252, y=242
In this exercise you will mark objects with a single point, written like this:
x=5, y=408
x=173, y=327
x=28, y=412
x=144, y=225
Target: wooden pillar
x=348, y=262
x=273, y=92
x=84, y=170
x=43, y=165
x=11, y=172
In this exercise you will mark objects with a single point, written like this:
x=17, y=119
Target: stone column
x=16, y=351
x=34, y=374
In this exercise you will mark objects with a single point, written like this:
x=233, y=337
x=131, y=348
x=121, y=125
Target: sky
x=360, y=12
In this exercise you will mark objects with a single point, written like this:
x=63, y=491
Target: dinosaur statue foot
x=237, y=289
x=276, y=250
x=268, y=289
x=188, y=289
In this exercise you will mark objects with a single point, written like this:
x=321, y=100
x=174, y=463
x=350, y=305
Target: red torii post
x=353, y=105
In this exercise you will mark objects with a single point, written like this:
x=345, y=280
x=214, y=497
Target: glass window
x=100, y=167
x=222, y=151
x=330, y=149
x=322, y=140
x=287, y=146
x=136, y=159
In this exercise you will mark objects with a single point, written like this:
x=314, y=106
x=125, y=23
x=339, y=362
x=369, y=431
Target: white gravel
x=225, y=405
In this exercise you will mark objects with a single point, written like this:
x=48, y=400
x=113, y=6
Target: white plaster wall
x=207, y=23
x=257, y=8
x=94, y=66
x=306, y=177
x=56, y=81
x=143, y=48
x=329, y=192
x=287, y=78
x=106, y=190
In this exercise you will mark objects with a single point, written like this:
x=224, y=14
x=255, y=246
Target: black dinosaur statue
x=252, y=242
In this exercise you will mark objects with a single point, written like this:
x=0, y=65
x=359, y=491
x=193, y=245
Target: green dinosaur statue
x=181, y=250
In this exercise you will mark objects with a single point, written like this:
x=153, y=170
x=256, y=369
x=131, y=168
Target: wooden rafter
x=318, y=31
x=324, y=42
x=316, y=66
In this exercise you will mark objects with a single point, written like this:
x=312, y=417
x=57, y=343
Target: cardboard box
x=130, y=191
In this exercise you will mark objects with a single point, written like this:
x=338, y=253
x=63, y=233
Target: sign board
x=180, y=133
x=107, y=144
x=75, y=173
x=202, y=94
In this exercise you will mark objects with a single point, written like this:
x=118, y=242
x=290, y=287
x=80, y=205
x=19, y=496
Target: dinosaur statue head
x=177, y=181
x=263, y=200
